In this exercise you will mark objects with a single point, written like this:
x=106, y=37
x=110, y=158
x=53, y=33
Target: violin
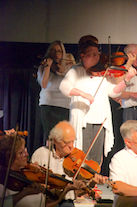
x=72, y=162
x=39, y=175
x=54, y=66
x=17, y=181
x=113, y=71
x=88, y=169
x=117, y=58
x=116, y=72
x=20, y=179
x=54, y=180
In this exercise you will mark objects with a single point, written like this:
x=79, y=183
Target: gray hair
x=57, y=133
x=127, y=128
x=129, y=48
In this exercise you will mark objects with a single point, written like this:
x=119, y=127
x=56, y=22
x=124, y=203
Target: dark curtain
x=19, y=93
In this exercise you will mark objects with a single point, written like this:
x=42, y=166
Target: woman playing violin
x=89, y=109
x=20, y=158
x=54, y=105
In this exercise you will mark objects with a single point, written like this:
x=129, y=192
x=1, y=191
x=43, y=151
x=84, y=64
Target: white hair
x=57, y=133
x=127, y=128
x=129, y=48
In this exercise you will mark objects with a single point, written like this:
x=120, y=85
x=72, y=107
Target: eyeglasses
x=55, y=51
x=70, y=142
x=23, y=152
x=94, y=53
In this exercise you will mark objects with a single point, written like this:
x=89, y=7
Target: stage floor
x=107, y=197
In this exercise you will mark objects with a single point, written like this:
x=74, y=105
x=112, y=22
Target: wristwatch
x=127, y=82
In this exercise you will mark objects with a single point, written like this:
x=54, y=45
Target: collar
x=56, y=156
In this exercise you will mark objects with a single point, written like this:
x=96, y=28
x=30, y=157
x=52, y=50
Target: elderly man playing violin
x=123, y=167
x=26, y=196
x=63, y=138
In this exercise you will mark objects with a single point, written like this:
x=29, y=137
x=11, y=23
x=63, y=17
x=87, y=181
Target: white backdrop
x=67, y=20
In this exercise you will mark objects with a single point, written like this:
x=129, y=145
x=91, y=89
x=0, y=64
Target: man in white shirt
x=63, y=138
x=123, y=167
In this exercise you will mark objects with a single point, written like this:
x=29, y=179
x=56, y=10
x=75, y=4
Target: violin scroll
x=111, y=184
x=24, y=133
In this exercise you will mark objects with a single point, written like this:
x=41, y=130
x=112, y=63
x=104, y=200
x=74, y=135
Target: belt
x=134, y=107
x=66, y=201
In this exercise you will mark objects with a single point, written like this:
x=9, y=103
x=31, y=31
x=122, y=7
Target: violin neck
x=117, y=56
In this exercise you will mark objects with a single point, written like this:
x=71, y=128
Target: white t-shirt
x=123, y=167
x=81, y=112
x=51, y=95
x=56, y=164
x=132, y=87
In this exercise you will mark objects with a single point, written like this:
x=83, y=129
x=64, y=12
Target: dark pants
x=50, y=116
x=96, y=153
x=129, y=114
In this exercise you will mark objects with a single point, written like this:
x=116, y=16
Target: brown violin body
x=17, y=180
x=73, y=161
x=39, y=175
x=118, y=58
x=20, y=179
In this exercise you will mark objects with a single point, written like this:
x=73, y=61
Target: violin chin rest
x=63, y=175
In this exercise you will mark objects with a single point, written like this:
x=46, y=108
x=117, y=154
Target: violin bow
x=101, y=82
x=9, y=166
x=111, y=67
x=107, y=67
x=47, y=172
x=109, y=38
x=76, y=174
